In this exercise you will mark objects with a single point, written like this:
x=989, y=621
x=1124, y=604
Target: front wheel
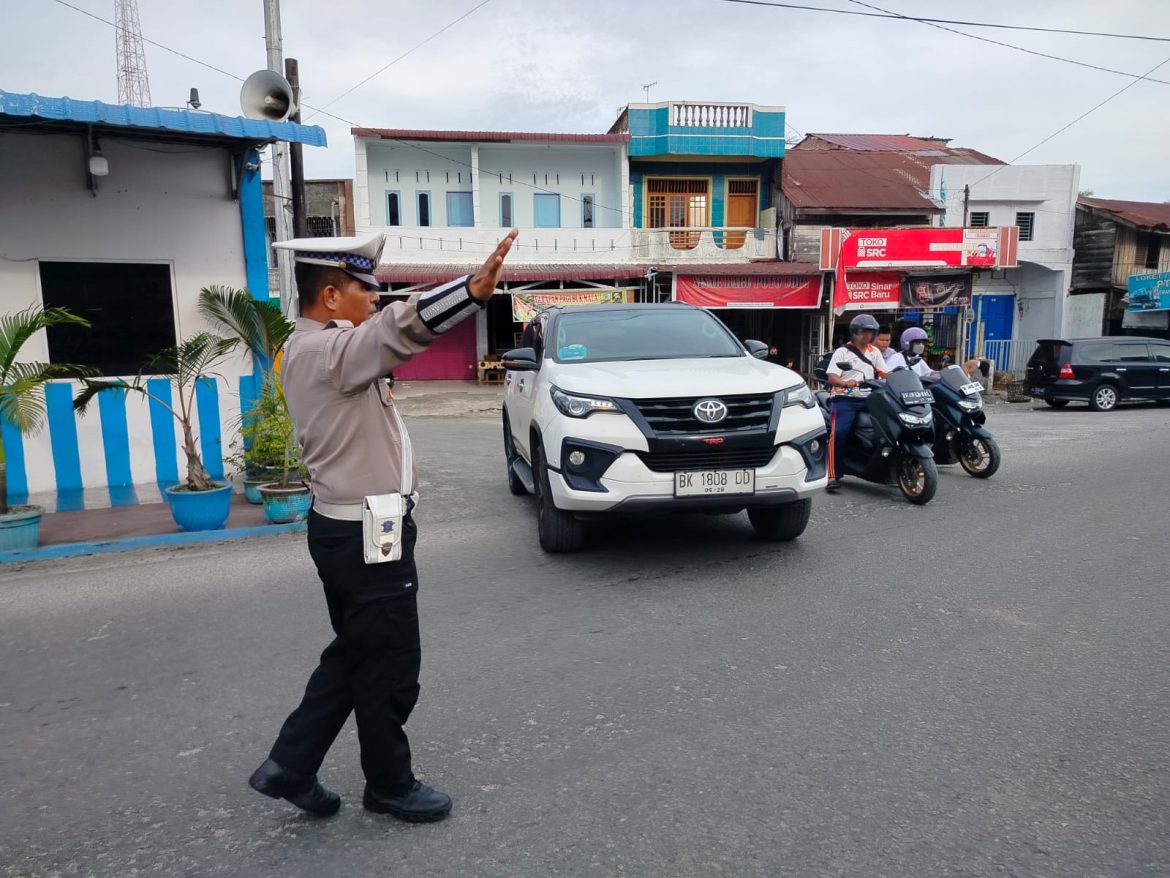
x=1104, y=398
x=558, y=530
x=979, y=457
x=780, y=523
x=917, y=479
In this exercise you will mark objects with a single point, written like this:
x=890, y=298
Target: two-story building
x=1115, y=240
x=1013, y=307
x=703, y=179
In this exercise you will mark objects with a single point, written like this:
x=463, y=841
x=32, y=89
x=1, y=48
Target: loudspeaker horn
x=267, y=95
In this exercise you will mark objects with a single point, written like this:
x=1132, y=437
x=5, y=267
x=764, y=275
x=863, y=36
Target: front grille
x=668, y=417
x=677, y=461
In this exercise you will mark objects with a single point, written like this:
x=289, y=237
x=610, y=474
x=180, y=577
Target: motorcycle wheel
x=979, y=457
x=917, y=479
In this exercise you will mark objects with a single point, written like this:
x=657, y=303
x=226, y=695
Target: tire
x=558, y=530
x=780, y=523
x=979, y=457
x=1104, y=398
x=917, y=479
x=1057, y=403
x=514, y=484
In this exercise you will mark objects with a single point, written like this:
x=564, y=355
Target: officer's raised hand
x=484, y=282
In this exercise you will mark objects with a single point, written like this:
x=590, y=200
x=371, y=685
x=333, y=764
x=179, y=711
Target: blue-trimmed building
x=122, y=214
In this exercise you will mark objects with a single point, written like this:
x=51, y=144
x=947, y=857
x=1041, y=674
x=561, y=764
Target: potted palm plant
x=263, y=330
x=22, y=404
x=198, y=502
x=287, y=499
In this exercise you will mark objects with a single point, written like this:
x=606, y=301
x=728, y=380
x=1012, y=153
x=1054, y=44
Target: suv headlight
x=912, y=420
x=971, y=405
x=799, y=395
x=575, y=406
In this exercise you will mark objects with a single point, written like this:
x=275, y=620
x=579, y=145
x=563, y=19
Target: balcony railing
x=670, y=245
x=711, y=115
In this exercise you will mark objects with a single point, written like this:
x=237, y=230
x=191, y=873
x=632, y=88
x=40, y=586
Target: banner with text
x=1149, y=292
x=939, y=291
x=748, y=291
x=901, y=249
x=864, y=290
x=525, y=306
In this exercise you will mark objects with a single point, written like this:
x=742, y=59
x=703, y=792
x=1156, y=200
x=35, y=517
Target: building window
x=1026, y=222
x=393, y=209
x=129, y=305
x=980, y=219
x=678, y=204
x=424, y=208
x=1153, y=250
x=586, y=211
x=460, y=211
x=546, y=211
x=507, y=218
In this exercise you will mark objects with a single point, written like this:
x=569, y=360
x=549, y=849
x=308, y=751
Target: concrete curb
x=151, y=541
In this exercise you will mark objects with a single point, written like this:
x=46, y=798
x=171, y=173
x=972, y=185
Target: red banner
x=864, y=290
x=749, y=291
x=880, y=249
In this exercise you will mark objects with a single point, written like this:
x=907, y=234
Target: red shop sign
x=896, y=249
x=749, y=291
x=864, y=289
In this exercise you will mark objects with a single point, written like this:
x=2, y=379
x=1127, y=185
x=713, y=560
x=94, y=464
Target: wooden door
x=742, y=210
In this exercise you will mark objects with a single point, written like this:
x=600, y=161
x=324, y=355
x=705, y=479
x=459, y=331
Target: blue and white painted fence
x=126, y=449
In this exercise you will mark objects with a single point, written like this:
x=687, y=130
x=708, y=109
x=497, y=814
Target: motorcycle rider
x=850, y=366
x=913, y=344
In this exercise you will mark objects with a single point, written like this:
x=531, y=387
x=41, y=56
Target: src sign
x=900, y=249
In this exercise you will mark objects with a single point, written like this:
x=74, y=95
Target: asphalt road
x=977, y=687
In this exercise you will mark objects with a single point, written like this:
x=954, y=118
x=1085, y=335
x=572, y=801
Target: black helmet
x=861, y=323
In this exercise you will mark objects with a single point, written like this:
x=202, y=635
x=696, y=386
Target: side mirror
x=521, y=360
x=757, y=349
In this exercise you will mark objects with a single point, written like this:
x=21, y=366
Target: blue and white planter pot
x=200, y=510
x=284, y=504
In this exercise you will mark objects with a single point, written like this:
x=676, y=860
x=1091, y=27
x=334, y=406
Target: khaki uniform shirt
x=353, y=441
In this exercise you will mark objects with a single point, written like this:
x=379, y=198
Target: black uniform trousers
x=371, y=668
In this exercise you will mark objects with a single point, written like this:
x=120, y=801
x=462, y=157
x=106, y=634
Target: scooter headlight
x=912, y=420
x=971, y=405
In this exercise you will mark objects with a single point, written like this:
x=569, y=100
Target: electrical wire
x=382, y=70
x=1009, y=45
x=887, y=14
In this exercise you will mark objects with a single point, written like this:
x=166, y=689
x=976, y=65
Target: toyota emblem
x=710, y=411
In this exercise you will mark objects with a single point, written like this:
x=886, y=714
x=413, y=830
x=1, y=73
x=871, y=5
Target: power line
x=1064, y=128
x=886, y=14
x=1009, y=45
x=322, y=111
x=382, y=70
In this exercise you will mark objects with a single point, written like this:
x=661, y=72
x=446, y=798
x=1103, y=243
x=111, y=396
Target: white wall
x=161, y=203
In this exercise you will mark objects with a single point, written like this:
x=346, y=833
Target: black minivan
x=1099, y=371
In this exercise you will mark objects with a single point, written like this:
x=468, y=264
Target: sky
x=570, y=65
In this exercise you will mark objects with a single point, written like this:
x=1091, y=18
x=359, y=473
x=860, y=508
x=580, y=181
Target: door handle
x=1121, y=369
x=1164, y=369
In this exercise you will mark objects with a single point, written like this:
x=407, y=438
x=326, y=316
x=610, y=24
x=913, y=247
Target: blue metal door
x=996, y=314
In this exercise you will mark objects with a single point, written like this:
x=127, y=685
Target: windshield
x=1051, y=353
x=956, y=379
x=658, y=334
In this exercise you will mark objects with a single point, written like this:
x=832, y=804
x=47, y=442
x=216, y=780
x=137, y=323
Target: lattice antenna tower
x=133, y=80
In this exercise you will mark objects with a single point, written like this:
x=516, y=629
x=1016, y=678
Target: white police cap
x=356, y=256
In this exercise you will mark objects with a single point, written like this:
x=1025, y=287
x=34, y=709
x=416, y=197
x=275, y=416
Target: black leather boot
x=419, y=804
x=303, y=791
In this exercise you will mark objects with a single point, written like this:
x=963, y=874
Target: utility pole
x=296, y=159
x=966, y=201
x=281, y=188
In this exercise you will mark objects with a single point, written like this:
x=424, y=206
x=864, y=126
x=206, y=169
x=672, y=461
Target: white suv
x=626, y=409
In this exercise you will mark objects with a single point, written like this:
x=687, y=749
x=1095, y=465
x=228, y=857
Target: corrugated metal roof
x=1150, y=216
x=876, y=142
x=189, y=122
x=523, y=273
x=486, y=136
x=823, y=179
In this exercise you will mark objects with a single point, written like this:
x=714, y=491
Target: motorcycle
x=891, y=441
x=959, y=432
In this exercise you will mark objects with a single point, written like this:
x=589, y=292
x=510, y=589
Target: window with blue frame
x=587, y=204
x=393, y=209
x=424, y=208
x=459, y=209
x=546, y=211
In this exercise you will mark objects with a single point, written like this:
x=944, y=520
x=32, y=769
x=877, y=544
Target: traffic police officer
x=356, y=447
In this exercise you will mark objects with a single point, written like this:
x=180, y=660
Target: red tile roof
x=439, y=272
x=772, y=267
x=1147, y=215
x=486, y=136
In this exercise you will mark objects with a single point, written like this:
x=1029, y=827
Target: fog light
x=951, y=436
x=814, y=447
x=885, y=452
x=576, y=458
